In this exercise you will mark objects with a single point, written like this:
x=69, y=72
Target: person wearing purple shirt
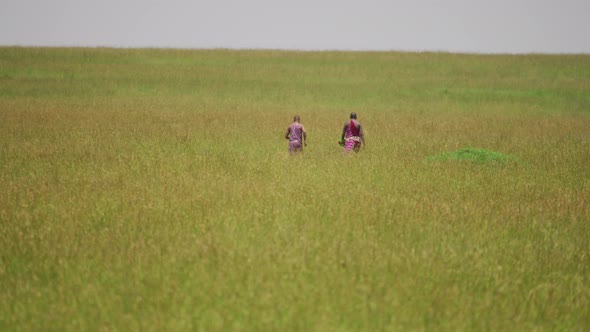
x=296, y=135
x=352, y=135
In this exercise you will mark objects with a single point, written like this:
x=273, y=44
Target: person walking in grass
x=352, y=135
x=296, y=135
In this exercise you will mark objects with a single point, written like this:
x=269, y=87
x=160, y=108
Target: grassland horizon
x=151, y=189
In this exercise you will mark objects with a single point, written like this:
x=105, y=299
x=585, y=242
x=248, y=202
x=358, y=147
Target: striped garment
x=352, y=139
x=295, y=137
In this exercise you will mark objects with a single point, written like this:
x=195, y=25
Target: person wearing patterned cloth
x=296, y=135
x=352, y=135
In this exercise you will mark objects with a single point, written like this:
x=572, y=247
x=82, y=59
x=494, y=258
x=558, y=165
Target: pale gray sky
x=481, y=26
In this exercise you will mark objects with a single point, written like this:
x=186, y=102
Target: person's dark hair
x=296, y=118
x=353, y=115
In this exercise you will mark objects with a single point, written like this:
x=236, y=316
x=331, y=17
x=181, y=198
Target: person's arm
x=304, y=135
x=362, y=135
x=288, y=132
x=344, y=131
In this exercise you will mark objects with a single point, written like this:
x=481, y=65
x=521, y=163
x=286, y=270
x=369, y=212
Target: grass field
x=151, y=190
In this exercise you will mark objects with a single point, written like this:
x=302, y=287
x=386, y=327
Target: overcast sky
x=481, y=26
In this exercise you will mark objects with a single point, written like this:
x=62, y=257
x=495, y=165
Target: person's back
x=352, y=134
x=353, y=128
x=296, y=136
x=296, y=131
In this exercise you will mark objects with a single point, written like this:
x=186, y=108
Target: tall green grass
x=152, y=190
